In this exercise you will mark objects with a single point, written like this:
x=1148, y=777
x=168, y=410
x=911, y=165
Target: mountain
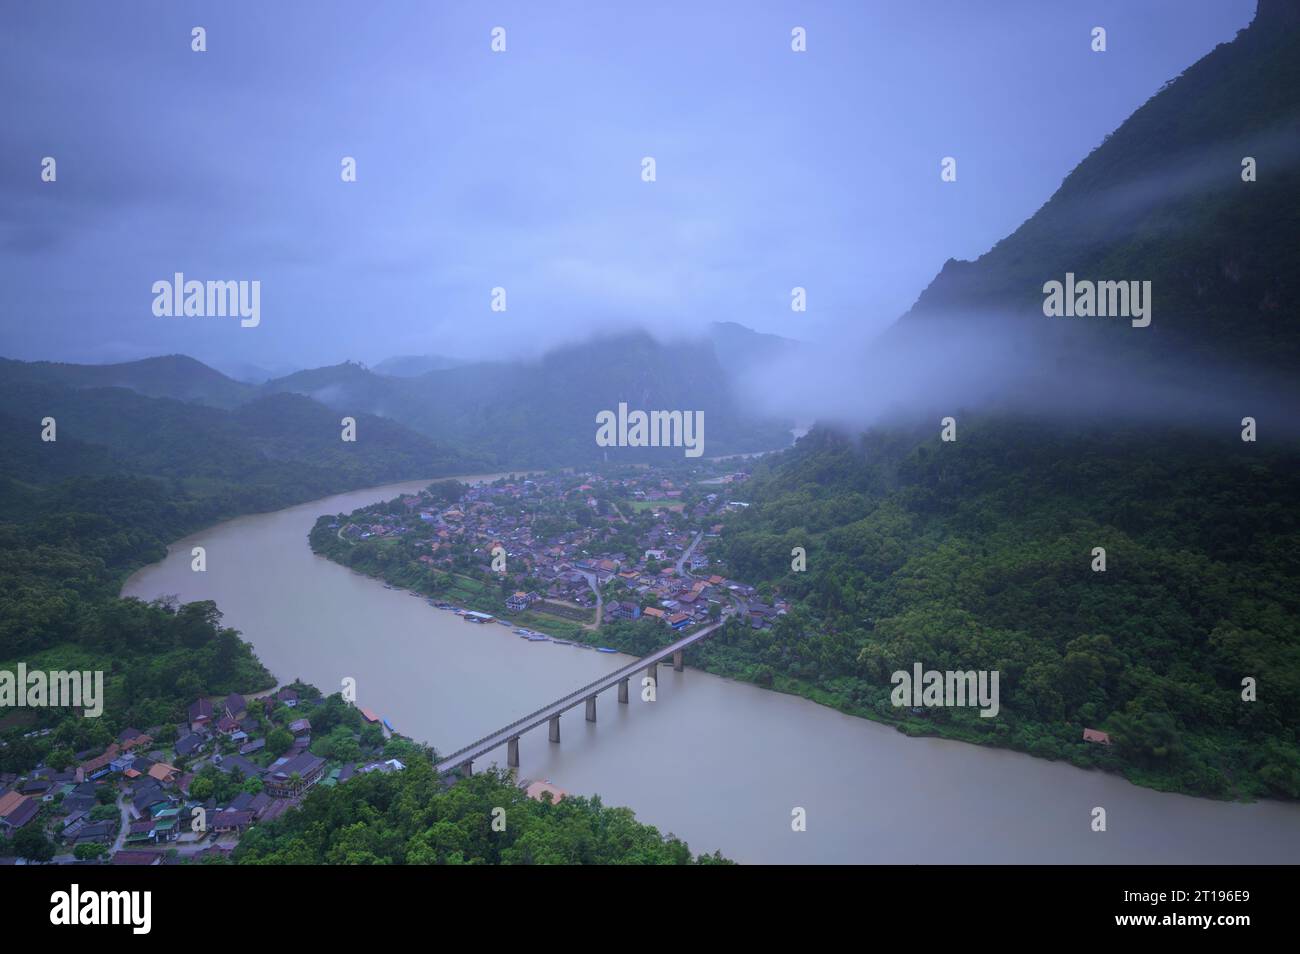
x=249, y=373
x=982, y=552
x=543, y=413
x=413, y=365
x=172, y=376
x=345, y=386
x=741, y=350
x=1163, y=200
x=280, y=447
x=513, y=414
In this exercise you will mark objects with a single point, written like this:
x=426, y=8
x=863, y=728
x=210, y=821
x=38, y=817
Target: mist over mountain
x=1161, y=200
x=742, y=351
x=248, y=373
x=509, y=413
x=544, y=412
x=413, y=365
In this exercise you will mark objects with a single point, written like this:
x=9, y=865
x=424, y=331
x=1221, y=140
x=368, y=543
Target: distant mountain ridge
x=276, y=440
x=413, y=365
x=175, y=376
x=543, y=413
x=742, y=349
x=509, y=413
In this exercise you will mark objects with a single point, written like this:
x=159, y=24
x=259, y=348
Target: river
x=721, y=764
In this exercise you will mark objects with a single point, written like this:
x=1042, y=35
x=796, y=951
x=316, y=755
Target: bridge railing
x=537, y=712
x=577, y=693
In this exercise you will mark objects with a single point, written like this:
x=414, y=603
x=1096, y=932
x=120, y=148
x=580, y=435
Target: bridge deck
x=500, y=737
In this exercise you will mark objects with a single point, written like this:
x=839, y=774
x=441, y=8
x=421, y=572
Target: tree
x=201, y=788
x=60, y=758
x=279, y=741
x=30, y=843
x=89, y=850
x=1147, y=736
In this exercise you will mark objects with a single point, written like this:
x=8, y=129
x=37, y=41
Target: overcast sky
x=522, y=169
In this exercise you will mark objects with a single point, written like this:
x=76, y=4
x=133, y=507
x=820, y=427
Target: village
x=173, y=794
x=577, y=552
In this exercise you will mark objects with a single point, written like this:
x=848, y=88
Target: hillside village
x=588, y=547
x=185, y=793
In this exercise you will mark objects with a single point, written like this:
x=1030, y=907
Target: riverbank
x=716, y=658
x=698, y=760
x=387, y=542
x=738, y=654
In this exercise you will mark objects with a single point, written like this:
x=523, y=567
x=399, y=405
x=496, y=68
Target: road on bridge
x=483, y=746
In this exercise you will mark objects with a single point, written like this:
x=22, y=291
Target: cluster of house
x=565, y=567
x=152, y=804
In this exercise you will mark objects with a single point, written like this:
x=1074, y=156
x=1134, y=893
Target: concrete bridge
x=509, y=735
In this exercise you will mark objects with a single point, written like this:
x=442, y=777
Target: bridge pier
x=652, y=670
x=512, y=753
x=591, y=708
x=555, y=728
x=467, y=769
x=678, y=665
x=622, y=691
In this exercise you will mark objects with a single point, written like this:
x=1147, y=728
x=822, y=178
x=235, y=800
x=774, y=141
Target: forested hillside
x=126, y=475
x=978, y=554
x=410, y=817
x=174, y=376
